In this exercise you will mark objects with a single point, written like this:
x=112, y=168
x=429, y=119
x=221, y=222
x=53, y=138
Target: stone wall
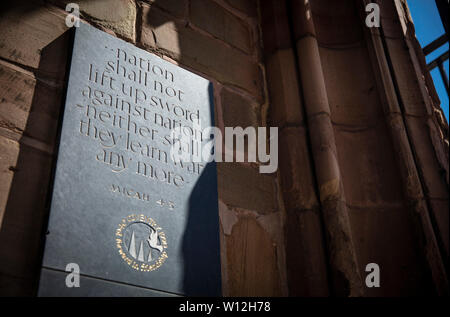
x=363, y=145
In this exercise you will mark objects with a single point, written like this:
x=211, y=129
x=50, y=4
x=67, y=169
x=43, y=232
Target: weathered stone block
x=9, y=151
x=116, y=15
x=285, y=102
x=392, y=247
x=275, y=26
x=335, y=23
x=370, y=177
x=27, y=106
x=202, y=53
x=433, y=181
x=34, y=35
x=249, y=7
x=238, y=111
x=211, y=17
x=297, y=179
x=252, y=260
x=244, y=187
x=177, y=8
x=305, y=254
x=352, y=94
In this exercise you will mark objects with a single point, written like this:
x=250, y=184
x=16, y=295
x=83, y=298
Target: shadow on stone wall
x=26, y=211
x=201, y=255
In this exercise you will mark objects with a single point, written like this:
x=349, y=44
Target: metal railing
x=443, y=7
x=439, y=61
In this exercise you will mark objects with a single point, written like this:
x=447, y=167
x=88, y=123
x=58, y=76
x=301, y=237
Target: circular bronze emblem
x=141, y=243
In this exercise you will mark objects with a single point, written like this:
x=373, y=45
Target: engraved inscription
x=141, y=196
x=130, y=106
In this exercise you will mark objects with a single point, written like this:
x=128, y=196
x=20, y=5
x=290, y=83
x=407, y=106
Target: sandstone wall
x=363, y=145
x=367, y=179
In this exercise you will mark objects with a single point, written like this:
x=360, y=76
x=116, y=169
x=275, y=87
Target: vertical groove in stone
x=430, y=156
x=346, y=278
x=305, y=247
x=394, y=113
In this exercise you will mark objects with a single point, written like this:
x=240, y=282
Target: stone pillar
x=305, y=253
x=345, y=276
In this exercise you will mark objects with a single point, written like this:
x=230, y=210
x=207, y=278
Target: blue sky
x=429, y=27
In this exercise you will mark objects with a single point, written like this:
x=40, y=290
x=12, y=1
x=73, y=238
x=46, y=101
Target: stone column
x=305, y=252
x=345, y=275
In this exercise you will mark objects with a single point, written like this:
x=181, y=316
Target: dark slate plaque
x=133, y=220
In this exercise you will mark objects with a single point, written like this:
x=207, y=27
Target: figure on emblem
x=153, y=243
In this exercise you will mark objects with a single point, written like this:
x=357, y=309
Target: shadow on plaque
x=201, y=255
